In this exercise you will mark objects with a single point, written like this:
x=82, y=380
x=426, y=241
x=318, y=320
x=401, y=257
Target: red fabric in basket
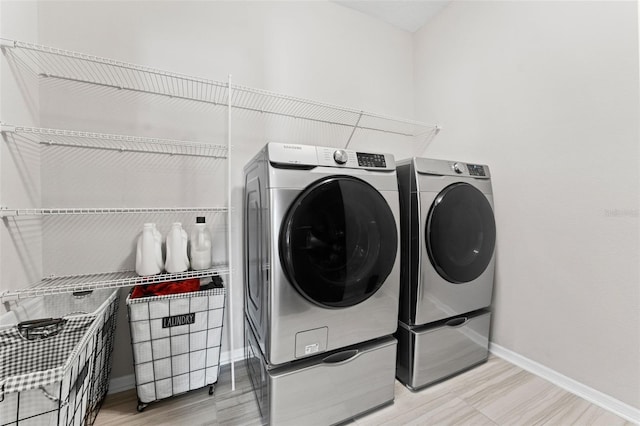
x=162, y=289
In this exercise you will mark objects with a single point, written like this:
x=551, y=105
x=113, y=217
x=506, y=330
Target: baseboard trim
x=123, y=383
x=596, y=397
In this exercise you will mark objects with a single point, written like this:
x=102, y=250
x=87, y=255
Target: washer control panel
x=336, y=157
x=308, y=155
x=371, y=160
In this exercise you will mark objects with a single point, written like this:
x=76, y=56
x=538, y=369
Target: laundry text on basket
x=177, y=320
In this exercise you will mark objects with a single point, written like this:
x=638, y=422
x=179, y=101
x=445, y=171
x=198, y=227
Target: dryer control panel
x=435, y=167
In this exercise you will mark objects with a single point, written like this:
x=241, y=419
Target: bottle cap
x=200, y=219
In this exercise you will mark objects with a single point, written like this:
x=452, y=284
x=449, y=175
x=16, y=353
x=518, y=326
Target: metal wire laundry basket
x=55, y=368
x=176, y=342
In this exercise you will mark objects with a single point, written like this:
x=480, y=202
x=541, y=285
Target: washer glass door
x=460, y=233
x=338, y=242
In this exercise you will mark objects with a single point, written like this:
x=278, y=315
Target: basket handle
x=41, y=328
x=53, y=398
x=82, y=374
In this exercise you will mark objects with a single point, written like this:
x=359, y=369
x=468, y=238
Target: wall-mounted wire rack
x=123, y=143
x=80, y=283
x=48, y=62
x=264, y=102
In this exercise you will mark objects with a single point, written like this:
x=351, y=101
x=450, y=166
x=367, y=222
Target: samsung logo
x=291, y=147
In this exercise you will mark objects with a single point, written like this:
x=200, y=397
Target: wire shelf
x=8, y=212
x=48, y=62
x=122, y=143
x=262, y=101
x=79, y=283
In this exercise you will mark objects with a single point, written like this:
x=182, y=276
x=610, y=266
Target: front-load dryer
x=448, y=255
x=448, y=239
x=321, y=240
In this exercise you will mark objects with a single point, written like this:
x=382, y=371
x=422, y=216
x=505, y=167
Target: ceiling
x=409, y=15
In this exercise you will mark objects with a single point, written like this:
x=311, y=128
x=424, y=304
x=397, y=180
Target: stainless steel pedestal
x=433, y=352
x=326, y=389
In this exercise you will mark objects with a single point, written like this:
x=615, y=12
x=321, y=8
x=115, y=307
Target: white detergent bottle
x=146, y=251
x=177, y=259
x=200, y=245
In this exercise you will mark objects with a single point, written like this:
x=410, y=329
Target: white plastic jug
x=147, y=249
x=200, y=245
x=177, y=259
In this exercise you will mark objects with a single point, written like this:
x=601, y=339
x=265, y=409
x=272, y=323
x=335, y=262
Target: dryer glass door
x=338, y=242
x=460, y=233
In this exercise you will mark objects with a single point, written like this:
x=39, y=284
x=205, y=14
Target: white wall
x=546, y=93
x=20, y=238
x=317, y=50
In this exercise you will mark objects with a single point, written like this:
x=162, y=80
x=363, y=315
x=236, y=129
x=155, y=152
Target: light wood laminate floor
x=494, y=393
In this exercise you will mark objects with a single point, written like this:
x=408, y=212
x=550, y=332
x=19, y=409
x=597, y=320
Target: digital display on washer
x=476, y=170
x=371, y=160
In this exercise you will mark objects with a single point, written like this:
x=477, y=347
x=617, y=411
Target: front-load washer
x=448, y=239
x=321, y=240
